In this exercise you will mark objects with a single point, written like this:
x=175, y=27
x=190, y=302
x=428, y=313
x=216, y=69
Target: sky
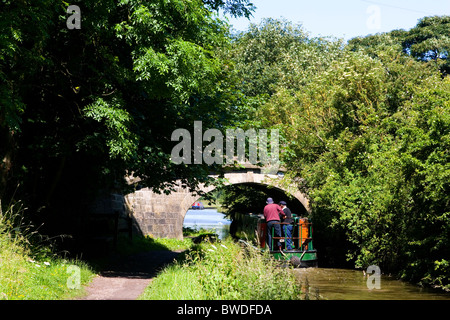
x=345, y=18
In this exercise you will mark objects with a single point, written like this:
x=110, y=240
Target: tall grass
x=28, y=268
x=224, y=271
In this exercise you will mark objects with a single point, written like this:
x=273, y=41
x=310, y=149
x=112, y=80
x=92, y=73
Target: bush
x=32, y=272
x=224, y=271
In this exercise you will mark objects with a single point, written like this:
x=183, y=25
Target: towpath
x=128, y=278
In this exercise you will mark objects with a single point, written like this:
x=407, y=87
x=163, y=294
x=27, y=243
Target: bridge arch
x=162, y=215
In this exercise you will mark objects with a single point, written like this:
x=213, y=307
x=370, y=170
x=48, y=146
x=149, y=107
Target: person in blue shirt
x=287, y=228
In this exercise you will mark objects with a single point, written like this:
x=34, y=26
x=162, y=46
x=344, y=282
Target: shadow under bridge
x=162, y=216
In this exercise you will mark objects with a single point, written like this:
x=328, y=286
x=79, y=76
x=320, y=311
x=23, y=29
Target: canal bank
x=321, y=283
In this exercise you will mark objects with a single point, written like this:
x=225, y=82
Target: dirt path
x=127, y=279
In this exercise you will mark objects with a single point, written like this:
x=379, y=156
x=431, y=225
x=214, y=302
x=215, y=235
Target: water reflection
x=343, y=284
x=208, y=219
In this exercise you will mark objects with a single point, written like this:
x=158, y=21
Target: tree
x=365, y=127
x=259, y=53
x=236, y=8
x=83, y=108
x=427, y=41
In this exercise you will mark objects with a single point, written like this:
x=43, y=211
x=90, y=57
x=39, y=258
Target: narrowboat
x=302, y=254
x=197, y=205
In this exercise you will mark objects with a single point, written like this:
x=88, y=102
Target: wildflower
x=32, y=261
x=37, y=265
x=211, y=250
x=224, y=246
x=214, y=246
x=47, y=263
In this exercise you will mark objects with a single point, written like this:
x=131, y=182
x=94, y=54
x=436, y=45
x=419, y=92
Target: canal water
x=344, y=284
x=208, y=219
x=326, y=283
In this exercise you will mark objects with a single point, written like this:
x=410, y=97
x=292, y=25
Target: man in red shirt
x=272, y=213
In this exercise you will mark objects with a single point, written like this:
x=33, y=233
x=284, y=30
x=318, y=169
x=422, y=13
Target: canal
x=208, y=219
x=326, y=283
x=345, y=284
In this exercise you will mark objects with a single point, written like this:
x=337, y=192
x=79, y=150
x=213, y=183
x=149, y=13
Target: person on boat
x=287, y=228
x=272, y=212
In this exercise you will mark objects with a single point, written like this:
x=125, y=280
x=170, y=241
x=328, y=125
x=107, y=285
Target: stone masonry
x=161, y=215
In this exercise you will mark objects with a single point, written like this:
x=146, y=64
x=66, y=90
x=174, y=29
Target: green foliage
x=29, y=270
x=224, y=271
x=27, y=279
x=147, y=243
x=82, y=109
x=240, y=200
x=121, y=142
x=237, y=8
x=261, y=50
x=366, y=128
x=427, y=41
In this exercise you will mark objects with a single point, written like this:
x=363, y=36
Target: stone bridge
x=162, y=215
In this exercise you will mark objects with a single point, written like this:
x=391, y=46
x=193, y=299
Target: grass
x=147, y=243
x=207, y=271
x=139, y=244
x=32, y=272
x=27, y=279
x=224, y=271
